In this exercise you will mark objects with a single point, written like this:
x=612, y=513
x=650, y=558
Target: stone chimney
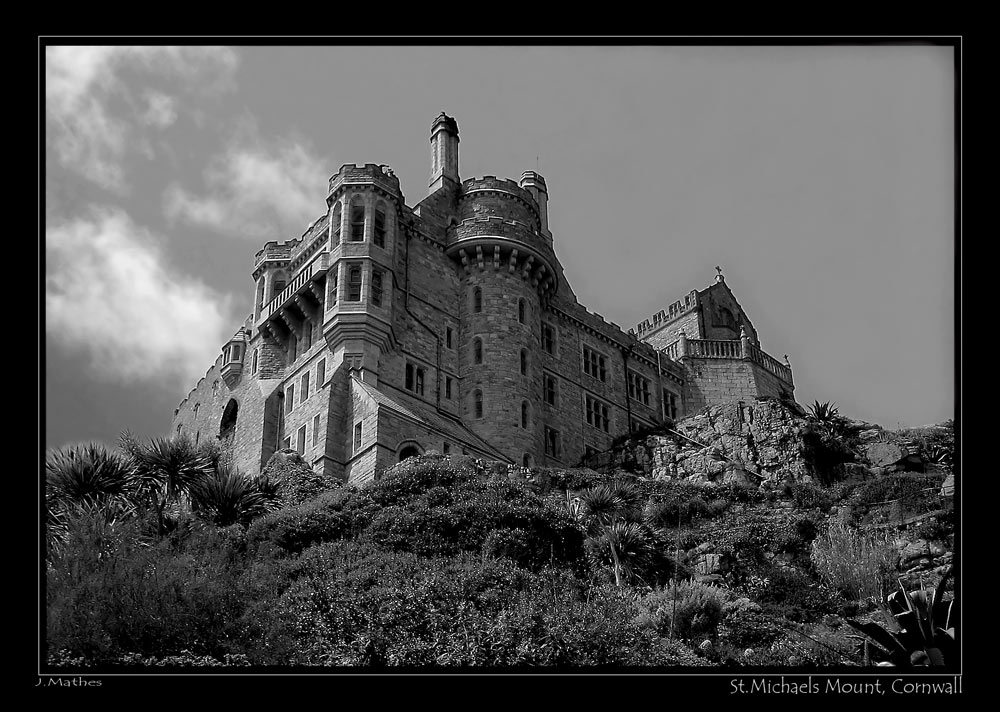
x=444, y=152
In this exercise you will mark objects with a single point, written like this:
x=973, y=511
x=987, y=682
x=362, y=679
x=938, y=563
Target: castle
x=388, y=330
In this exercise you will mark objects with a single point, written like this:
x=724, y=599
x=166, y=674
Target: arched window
x=228, y=425
x=197, y=406
x=477, y=350
x=336, y=221
x=477, y=399
x=357, y=220
x=378, y=229
x=477, y=300
x=255, y=358
x=526, y=460
x=520, y=310
x=408, y=451
x=525, y=413
x=524, y=362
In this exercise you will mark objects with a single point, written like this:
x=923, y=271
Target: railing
x=734, y=349
x=294, y=286
x=714, y=348
x=770, y=363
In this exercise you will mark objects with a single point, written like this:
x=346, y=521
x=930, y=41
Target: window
x=638, y=388
x=549, y=339
x=332, y=298
x=278, y=288
x=477, y=300
x=197, y=437
x=379, y=234
x=525, y=412
x=477, y=350
x=524, y=362
x=336, y=221
x=357, y=221
x=477, y=398
x=308, y=333
x=377, y=287
x=447, y=388
x=215, y=386
x=293, y=347
x=526, y=460
x=178, y=429
x=300, y=440
x=447, y=337
x=597, y=414
x=236, y=352
x=552, y=448
x=446, y=448
x=415, y=379
x=286, y=444
x=670, y=404
x=593, y=364
x=305, y=385
x=321, y=373
x=354, y=283
x=357, y=436
x=289, y=398
x=197, y=407
x=550, y=389
x=256, y=354
x=520, y=311
x=315, y=430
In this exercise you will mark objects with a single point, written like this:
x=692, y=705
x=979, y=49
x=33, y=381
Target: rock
x=884, y=454
x=706, y=646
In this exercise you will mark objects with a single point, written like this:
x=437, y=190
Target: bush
x=790, y=594
x=298, y=527
x=859, y=565
x=695, y=609
x=809, y=496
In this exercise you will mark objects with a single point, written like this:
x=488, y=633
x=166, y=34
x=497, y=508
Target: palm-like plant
x=229, y=497
x=606, y=505
x=167, y=471
x=824, y=412
x=86, y=479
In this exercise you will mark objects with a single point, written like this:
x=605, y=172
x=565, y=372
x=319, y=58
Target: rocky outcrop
x=744, y=441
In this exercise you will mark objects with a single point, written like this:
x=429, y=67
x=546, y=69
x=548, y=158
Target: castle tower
x=444, y=152
x=506, y=269
x=364, y=207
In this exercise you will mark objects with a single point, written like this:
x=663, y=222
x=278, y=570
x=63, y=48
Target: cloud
x=161, y=110
x=255, y=190
x=83, y=130
x=110, y=294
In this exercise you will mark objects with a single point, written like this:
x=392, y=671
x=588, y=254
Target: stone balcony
x=735, y=349
x=301, y=299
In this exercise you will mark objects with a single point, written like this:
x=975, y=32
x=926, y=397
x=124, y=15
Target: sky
x=820, y=178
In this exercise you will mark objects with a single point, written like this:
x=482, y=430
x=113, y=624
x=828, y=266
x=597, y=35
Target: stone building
x=387, y=330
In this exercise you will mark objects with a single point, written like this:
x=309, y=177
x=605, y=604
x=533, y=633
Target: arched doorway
x=228, y=426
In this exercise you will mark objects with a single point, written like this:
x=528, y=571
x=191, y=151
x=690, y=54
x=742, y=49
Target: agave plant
x=824, y=412
x=920, y=627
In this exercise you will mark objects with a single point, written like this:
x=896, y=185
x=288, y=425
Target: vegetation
x=163, y=555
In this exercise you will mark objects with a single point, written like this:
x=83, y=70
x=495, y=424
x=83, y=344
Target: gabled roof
x=417, y=410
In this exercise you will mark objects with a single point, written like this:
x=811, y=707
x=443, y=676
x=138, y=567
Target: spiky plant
x=167, y=470
x=824, y=412
x=920, y=627
x=229, y=497
x=606, y=504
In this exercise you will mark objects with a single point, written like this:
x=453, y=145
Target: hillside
x=751, y=535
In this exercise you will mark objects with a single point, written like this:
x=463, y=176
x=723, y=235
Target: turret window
x=278, y=288
x=477, y=398
x=256, y=354
x=354, y=283
x=524, y=362
x=520, y=310
x=477, y=300
x=377, y=288
x=525, y=413
x=447, y=388
x=379, y=227
x=357, y=221
x=335, y=221
x=477, y=350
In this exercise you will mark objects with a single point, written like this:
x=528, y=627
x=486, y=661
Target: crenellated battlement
x=379, y=175
x=503, y=185
x=494, y=225
x=665, y=316
x=276, y=251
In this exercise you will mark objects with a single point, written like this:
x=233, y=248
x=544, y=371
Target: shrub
x=859, y=565
x=695, y=609
x=790, y=594
x=809, y=496
x=298, y=527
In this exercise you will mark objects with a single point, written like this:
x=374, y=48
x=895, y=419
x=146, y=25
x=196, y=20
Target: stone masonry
x=387, y=330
